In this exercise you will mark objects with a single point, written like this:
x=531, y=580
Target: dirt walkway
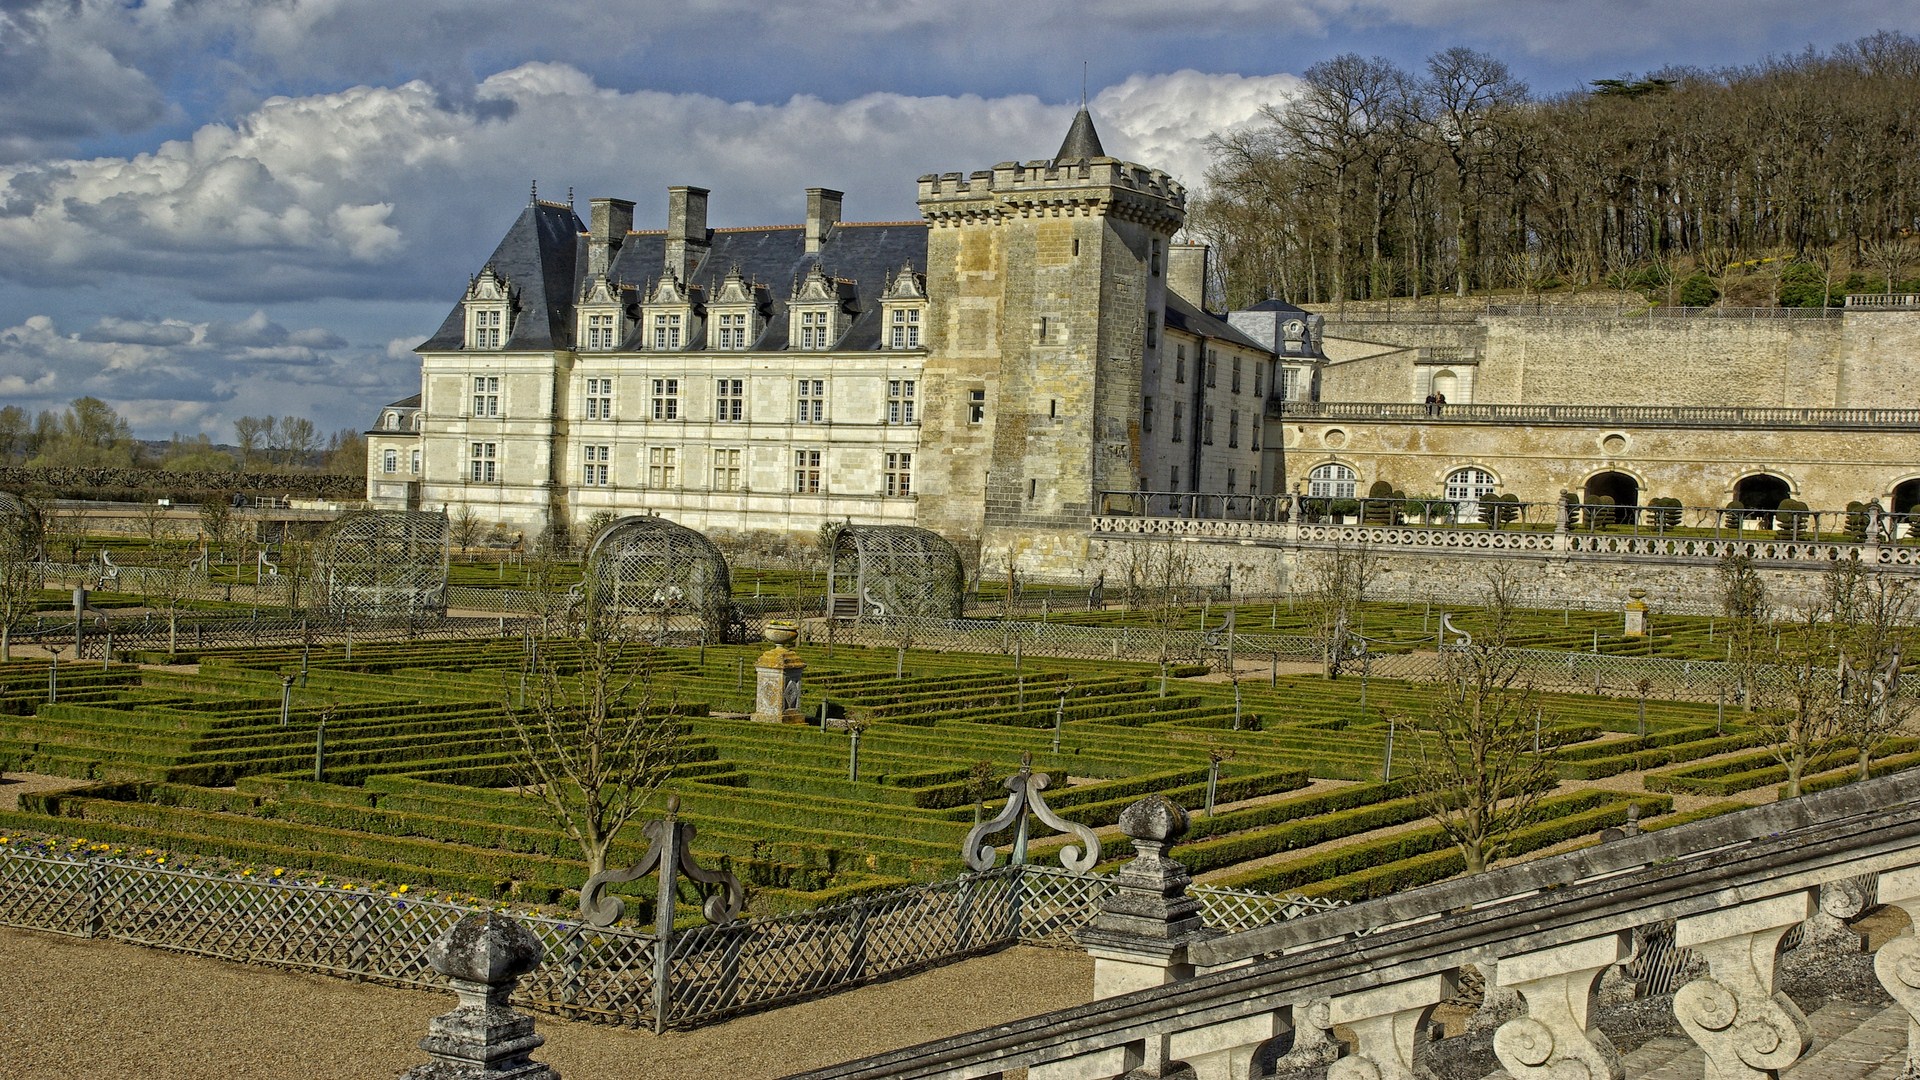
x=73, y=1009
x=15, y=784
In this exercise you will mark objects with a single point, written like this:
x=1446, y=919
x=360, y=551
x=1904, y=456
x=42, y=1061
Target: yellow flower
x=279, y=870
x=401, y=889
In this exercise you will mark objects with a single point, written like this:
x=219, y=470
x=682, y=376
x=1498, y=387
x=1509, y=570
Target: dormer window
x=673, y=316
x=490, y=304
x=904, y=303
x=818, y=310
x=666, y=331
x=603, y=315
x=736, y=316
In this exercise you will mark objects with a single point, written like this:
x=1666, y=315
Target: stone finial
x=483, y=957
x=1154, y=821
x=1149, y=901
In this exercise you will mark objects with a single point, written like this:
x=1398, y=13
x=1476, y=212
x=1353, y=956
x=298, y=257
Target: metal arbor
x=385, y=564
x=893, y=571
x=646, y=567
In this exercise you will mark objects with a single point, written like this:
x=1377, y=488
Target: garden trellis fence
x=589, y=973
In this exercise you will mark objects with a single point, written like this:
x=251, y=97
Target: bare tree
x=1798, y=708
x=253, y=434
x=19, y=572
x=1868, y=611
x=1336, y=581
x=1743, y=600
x=1484, y=762
x=593, y=747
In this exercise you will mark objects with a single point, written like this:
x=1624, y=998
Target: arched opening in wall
x=1465, y=488
x=1446, y=387
x=1761, y=491
x=1906, y=507
x=1621, y=489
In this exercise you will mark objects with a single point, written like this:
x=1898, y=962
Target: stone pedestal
x=777, y=686
x=1141, y=935
x=1636, y=612
x=483, y=957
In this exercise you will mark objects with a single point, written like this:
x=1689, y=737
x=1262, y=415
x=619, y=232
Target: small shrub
x=1664, y=512
x=1698, y=290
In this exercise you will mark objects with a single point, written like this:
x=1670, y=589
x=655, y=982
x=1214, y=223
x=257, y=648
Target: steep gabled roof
x=537, y=257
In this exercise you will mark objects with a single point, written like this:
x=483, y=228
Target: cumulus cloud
x=170, y=374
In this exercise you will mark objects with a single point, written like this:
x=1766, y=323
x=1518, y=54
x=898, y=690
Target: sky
x=221, y=208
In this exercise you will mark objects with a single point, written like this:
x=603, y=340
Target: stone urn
x=781, y=631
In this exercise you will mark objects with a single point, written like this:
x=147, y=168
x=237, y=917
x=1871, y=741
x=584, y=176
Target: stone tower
x=1048, y=287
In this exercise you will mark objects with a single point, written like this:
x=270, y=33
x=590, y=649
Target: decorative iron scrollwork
x=672, y=854
x=1025, y=787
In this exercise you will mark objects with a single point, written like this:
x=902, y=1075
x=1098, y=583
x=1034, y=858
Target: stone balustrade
x=1732, y=888
x=1625, y=416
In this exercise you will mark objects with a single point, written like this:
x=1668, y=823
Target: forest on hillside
x=1790, y=181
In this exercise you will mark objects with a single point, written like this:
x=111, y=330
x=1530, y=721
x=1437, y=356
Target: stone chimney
x=611, y=220
x=686, y=230
x=1187, y=273
x=823, y=213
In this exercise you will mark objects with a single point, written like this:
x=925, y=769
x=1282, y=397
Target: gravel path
x=73, y=1009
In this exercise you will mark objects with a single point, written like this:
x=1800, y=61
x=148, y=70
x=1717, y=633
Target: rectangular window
x=487, y=326
x=814, y=328
x=1153, y=329
x=1254, y=423
x=1179, y=363
x=663, y=466
x=1173, y=477
x=600, y=332
x=1253, y=481
x=1146, y=415
x=666, y=331
x=390, y=461
x=810, y=397
x=1289, y=384
x=599, y=399
x=729, y=400
x=806, y=472
x=1179, y=423
x=480, y=463
x=1233, y=428
x=731, y=332
x=1206, y=427
x=726, y=470
x=900, y=401
x=1213, y=368
x=899, y=474
x=1230, y=480
x=1258, y=370
x=416, y=463
x=594, y=465
x=486, y=395
x=1236, y=374
x=976, y=406
x=666, y=399
x=905, y=329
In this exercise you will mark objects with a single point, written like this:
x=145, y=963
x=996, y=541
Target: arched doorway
x=1906, y=497
x=1624, y=490
x=1761, y=491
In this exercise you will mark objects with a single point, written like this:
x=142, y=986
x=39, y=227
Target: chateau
x=1036, y=353
x=989, y=372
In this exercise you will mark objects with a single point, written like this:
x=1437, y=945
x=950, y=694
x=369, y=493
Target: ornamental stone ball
x=486, y=948
x=1155, y=819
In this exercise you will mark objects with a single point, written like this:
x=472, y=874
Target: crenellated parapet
x=1039, y=189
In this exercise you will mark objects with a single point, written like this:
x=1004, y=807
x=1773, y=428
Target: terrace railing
x=1606, y=415
x=1733, y=889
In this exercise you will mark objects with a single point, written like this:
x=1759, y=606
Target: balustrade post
x=1556, y=1037
x=1747, y=1028
x=483, y=957
x=1386, y=1023
x=1898, y=961
x=1145, y=925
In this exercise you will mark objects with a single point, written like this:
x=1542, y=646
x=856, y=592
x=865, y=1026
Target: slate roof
x=1272, y=304
x=537, y=257
x=1184, y=316
x=1082, y=142
x=544, y=258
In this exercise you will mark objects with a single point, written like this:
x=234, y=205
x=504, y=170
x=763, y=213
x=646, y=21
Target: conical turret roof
x=1082, y=141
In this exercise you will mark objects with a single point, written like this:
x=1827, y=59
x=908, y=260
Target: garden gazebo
x=893, y=571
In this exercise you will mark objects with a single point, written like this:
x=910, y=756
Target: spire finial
x=569, y=196
x=1083, y=84
x=533, y=193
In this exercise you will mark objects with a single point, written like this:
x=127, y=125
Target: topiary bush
x=1792, y=518
x=1664, y=513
